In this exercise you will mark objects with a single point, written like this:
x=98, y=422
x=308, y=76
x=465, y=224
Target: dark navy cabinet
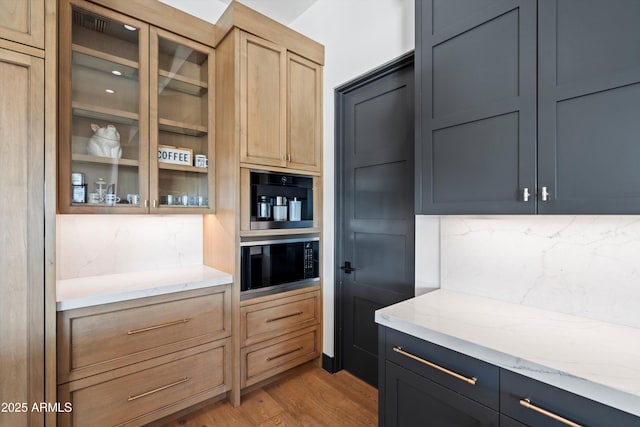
x=424, y=384
x=413, y=392
x=527, y=107
x=589, y=106
x=475, y=66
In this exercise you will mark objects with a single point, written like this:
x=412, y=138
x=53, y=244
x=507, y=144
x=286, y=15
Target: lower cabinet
x=538, y=404
x=278, y=332
x=424, y=384
x=133, y=362
x=412, y=400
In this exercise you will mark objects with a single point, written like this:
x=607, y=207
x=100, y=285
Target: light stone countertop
x=95, y=290
x=591, y=358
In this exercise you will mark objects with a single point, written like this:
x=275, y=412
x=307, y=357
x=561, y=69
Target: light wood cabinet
x=144, y=358
x=147, y=87
x=262, y=101
x=22, y=21
x=22, y=220
x=304, y=115
x=278, y=332
x=253, y=55
x=280, y=102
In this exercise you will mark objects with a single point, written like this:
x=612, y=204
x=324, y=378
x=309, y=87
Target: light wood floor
x=309, y=397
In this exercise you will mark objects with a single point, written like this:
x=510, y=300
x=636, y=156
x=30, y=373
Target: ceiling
x=283, y=11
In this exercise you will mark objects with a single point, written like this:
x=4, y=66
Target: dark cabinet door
x=411, y=400
x=476, y=106
x=508, y=422
x=589, y=106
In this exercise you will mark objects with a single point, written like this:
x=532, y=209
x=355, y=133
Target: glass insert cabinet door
x=181, y=110
x=103, y=148
x=136, y=116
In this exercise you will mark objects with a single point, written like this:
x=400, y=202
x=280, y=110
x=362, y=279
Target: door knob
x=347, y=267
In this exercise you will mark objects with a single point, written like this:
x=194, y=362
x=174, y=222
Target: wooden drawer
x=515, y=388
x=263, y=360
x=266, y=320
x=96, y=339
x=416, y=355
x=140, y=393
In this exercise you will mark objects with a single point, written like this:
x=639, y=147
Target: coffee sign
x=177, y=156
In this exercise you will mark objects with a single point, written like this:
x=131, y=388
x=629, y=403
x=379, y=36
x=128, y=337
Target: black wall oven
x=268, y=264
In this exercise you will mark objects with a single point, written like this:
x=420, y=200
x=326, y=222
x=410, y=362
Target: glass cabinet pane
x=183, y=122
x=106, y=154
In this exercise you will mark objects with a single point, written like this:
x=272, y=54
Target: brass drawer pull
x=269, y=359
x=138, y=396
x=275, y=319
x=527, y=404
x=151, y=328
x=471, y=380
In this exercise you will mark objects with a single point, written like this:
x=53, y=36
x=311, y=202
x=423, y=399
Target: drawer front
x=139, y=397
x=122, y=334
x=266, y=320
x=423, y=358
x=264, y=360
x=515, y=388
x=412, y=400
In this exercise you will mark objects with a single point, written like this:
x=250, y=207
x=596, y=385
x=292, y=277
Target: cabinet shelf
x=100, y=57
x=87, y=158
x=182, y=168
x=173, y=126
x=107, y=114
x=181, y=83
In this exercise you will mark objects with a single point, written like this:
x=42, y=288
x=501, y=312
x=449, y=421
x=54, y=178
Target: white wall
x=358, y=35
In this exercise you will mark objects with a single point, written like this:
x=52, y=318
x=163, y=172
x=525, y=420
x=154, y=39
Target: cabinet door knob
x=544, y=195
x=525, y=194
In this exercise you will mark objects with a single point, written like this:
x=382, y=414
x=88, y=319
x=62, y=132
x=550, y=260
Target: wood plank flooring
x=308, y=397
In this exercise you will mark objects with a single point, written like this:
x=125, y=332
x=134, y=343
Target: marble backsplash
x=583, y=265
x=92, y=245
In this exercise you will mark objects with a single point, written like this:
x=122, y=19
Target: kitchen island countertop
x=591, y=358
x=95, y=290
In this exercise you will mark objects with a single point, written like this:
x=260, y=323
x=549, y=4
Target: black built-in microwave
x=279, y=262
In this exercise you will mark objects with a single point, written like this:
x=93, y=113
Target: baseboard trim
x=329, y=363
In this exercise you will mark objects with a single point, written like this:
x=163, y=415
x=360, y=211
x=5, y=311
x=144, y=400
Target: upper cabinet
x=263, y=101
x=136, y=119
x=523, y=117
x=588, y=106
x=280, y=106
x=304, y=115
x=475, y=104
x=22, y=21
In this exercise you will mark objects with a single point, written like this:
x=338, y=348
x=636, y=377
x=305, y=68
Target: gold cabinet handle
x=154, y=203
x=151, y=328
x=146, y=203
x=275, y=319
x=467, y=380
x=155, y=390
x=527, y=404
x=269, y=359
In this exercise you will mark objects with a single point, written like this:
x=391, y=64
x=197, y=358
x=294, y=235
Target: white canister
x=295, y=209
